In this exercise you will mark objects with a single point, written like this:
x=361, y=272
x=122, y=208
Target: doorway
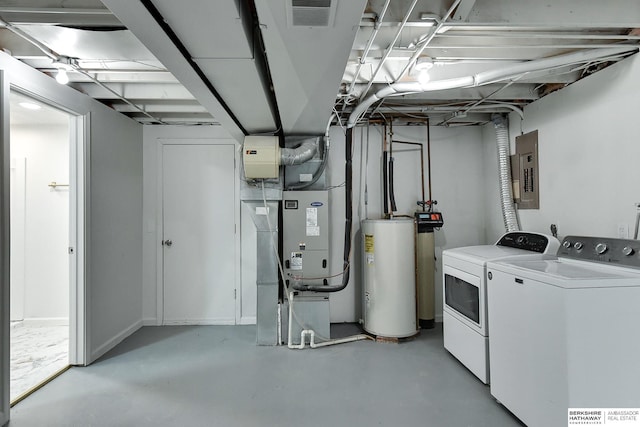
x=199, y=241
x=42, y=217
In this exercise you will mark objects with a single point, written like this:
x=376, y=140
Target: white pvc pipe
x=486, y=77
x=312, y=341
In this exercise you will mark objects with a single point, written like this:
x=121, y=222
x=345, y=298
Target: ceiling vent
x=311, y=13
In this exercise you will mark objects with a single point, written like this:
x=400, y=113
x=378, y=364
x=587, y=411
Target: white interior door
x=198, y=214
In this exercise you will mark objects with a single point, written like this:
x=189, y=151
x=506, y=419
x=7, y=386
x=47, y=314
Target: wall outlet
x=623, y=231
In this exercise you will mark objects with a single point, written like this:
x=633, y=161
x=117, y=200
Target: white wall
x=457, y=185
x=588, y=155
x=45, y=149
x=114, y=226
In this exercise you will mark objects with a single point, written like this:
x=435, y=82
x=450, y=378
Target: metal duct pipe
x=504, y=173
x=319, y=171
x=491, y=76
x=301, y=154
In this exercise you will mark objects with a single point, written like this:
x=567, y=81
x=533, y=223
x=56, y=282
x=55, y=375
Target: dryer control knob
x=578, y=245
x=566, y=244
x=628, y=251
x=601, y=248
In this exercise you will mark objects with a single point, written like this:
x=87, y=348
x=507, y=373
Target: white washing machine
x=564, y=332
x=466, y=328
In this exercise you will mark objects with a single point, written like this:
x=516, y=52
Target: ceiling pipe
x=389, y=49
x=487, y=77
x=365, y=53
x=427, y=40
x=73, y=65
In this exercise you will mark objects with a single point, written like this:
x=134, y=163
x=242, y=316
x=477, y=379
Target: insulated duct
x=301, y=154
x=491, y=76
x=509, y=215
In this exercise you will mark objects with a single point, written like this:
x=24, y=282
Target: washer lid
x=483, y=253
x=569, y=274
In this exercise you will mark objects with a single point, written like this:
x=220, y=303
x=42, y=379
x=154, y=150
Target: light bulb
x=62, y=76
x=424, y=77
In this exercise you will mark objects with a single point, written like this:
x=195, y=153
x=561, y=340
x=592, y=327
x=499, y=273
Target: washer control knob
x=578, y=245
x=566, y=244
x=601, y=248
x=628, y=251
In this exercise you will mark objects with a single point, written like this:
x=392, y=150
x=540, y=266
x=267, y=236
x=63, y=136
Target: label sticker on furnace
x=295, y=262
x=312, y=222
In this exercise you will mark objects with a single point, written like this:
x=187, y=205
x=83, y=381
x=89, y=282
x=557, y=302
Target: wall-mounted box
x=261, y=156
x=528, y=194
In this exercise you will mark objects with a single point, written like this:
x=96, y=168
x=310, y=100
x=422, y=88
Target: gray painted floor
x=216, y=376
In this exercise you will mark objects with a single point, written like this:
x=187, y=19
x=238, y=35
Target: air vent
x=311, y=13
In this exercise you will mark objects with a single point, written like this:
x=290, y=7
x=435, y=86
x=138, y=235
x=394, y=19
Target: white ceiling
x=245, y=64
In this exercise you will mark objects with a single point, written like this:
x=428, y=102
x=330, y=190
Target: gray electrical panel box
x=527, y=160
x=305, y=235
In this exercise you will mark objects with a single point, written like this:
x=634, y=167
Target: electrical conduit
x=491, y=76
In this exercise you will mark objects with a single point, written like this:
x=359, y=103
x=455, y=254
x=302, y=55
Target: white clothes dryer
x=466, y=329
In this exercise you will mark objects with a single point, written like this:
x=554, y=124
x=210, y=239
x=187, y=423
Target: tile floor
x=37, y=352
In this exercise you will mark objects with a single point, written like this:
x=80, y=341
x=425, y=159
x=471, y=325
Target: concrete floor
x=217, y=376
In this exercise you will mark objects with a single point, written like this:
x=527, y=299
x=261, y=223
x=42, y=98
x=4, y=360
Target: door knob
x=167, y=242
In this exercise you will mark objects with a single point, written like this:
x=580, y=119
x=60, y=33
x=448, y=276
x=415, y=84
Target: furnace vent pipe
x=509, y=215
x=491, y=76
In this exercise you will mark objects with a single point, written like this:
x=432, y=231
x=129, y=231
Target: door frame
x=79, y=172
x=160, y=143
x=5, y=278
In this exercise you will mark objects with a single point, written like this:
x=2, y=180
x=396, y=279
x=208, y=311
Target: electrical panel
x=305, y=236
x=528, y=176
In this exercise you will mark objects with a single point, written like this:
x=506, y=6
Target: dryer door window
x=463, y=297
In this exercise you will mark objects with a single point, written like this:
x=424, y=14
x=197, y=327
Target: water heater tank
x=389, y=273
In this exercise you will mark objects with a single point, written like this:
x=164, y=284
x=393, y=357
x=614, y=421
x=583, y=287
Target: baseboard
x=35, y=322
x=110, y=344
x=150, y=321
x=438, y=318
x=247, y=320
x=199, y=322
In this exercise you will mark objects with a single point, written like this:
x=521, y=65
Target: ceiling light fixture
x=29, y=105
x=62, y=77
x=64, y=64
x=421, y=68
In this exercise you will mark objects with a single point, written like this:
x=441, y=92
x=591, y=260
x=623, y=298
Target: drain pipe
x=313, y=344
x=487, y=77
x=509, y=215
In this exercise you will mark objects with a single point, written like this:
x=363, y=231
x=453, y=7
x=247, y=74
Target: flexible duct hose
x=296, y=156
x=504, y=170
